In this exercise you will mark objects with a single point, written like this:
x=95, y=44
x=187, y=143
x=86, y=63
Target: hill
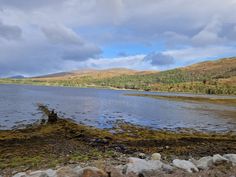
x=96, y=74
x=210, y=77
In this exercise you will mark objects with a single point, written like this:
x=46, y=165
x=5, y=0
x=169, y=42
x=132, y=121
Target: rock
x=137, y=165
x=204, y=162
x=218, y=159
x=21, y=174
x=114, y=172
x=91, y=172
x=231, y=158
x=77, y=169
x=167, y=168
x=50, y=172
x=38, y=174
x=66, y=172
x=156, y=156
x=185, y=165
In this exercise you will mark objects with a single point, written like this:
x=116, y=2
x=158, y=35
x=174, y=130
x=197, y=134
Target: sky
x=48, y=36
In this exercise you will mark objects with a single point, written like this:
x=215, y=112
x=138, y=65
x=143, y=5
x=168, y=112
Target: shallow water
x=103, y=107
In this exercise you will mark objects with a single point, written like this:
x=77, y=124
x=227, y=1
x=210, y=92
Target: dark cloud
x=61, y=35
x=64, y=34
x=10, y=32
x=82, y=53
x=73, y=47
x=28, y=4
x=159, y=59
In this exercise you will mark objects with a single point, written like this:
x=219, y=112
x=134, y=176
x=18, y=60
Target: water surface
x=103, y=107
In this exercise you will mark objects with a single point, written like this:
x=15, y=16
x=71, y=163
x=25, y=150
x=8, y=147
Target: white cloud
x=58, y=34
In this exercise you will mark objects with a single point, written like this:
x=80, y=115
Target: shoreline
x=115, y=88
x=46, y=145
x=123, y=89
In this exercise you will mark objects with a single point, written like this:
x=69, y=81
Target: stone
x=137, y=165
x=167, y=168
x=114, y=172
x=231, y=158
x=91, y=172
x=66, y=172
x=185, y=165
x=50, y=172
x=21, y=174
x=77, y=169
x=204, y=162
x=156, y=156
x=38, y=174
x=218, y=159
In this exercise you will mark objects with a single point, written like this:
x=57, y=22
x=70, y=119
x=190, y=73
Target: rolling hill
x=210, y=77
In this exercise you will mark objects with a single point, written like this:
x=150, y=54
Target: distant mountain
x=92, y=73
x=17, y=77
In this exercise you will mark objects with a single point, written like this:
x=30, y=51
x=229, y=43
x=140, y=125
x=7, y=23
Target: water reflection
x=101, y=108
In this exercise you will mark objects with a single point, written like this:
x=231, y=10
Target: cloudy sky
x=46, y=36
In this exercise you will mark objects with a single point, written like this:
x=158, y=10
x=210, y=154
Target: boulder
x=77, y=169
x=114, y=172
x=167, y=168
x=38, y=174
x=21, y=174
x=185, y=165
x=66, y=172
x=156, y=156
x=137, y=165
x=91, y=172
x=231, y=158
x=218, y=159
x=204, y=162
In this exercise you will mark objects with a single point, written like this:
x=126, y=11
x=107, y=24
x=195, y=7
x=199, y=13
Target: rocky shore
x=146, y=166
x=60, y=147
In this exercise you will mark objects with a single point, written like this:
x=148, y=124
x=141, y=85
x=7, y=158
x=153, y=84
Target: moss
x=45, y=146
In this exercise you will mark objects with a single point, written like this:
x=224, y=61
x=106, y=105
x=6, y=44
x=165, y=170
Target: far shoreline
x=115, y=88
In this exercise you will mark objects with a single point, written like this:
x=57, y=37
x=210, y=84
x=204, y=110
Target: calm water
x=101, y=108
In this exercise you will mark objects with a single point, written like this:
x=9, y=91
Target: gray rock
x=38, y=174
x=156, y=156
x=204, y=163
x=50, y=172
x=185, y=165
x=231, y=158
x=77, y=169
x=218, y=159
x=136, y=165
x=167, y=168
x=21, y=174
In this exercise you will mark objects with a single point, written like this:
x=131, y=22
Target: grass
x=224, y=101
x=218, y=77
x=44, y=146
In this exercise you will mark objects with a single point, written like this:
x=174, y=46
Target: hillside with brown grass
x=211, y=77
